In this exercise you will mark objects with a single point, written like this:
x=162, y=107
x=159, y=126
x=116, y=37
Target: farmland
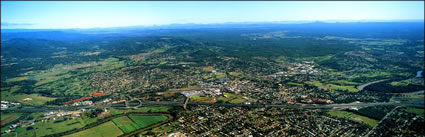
x=125, y=124
x=51, y=127
x=9, y=117
x=143, y=121
x=134, y=122
x=104, y=130
x=60, y=125
x=44, y=127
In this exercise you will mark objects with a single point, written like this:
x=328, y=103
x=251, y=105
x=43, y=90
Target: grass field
x=409, y=99
x=5, y=116
x=207, y=68
x=214, y=76
x=125, y=124
x=134, y=122
x=145, y=121
x=416, y=111
x=400, y=83
x=345, y=82
x=47, y=128
x=375, y=74
x=237, y=101
x=9, y=117
x=183, y=89
x=354, y=117
x=322, y=58
x=348, y=88
x=121, y=121
x=17, y=79
x=145, y=109
x=235, y=74
x=281, y=59
x=35, y=99
x=294, y=84
x=14, y=88
x=159, y=50
x=231, y=98
x=332, y=87
x=107, y=129
x=203, y=99
x=220, y=75
x=50, y=127
x=129, y=128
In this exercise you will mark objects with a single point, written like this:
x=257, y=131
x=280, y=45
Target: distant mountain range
x=212, y=25
x=78, y=34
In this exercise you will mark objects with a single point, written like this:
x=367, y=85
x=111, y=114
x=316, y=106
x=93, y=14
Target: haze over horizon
x=78, y=14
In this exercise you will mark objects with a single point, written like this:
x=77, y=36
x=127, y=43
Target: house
x=4, y=106
x=27, y=99
x=191, y=93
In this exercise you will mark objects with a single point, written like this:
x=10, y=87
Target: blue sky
x=80, y=14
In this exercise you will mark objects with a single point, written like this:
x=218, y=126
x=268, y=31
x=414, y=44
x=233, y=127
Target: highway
x=136, y=105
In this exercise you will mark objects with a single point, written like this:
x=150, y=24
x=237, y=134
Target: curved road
x=361, y=87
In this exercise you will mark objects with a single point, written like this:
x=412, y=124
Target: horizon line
x=242, y=22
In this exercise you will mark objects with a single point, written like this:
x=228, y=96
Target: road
x=361, y=87
x=135, y=105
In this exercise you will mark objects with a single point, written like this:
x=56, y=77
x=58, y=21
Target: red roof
x=76, y=100
x=97, y=94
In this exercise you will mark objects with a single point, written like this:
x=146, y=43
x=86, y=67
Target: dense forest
x=386, y=87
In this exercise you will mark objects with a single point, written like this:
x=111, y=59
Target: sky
x=99, y=14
